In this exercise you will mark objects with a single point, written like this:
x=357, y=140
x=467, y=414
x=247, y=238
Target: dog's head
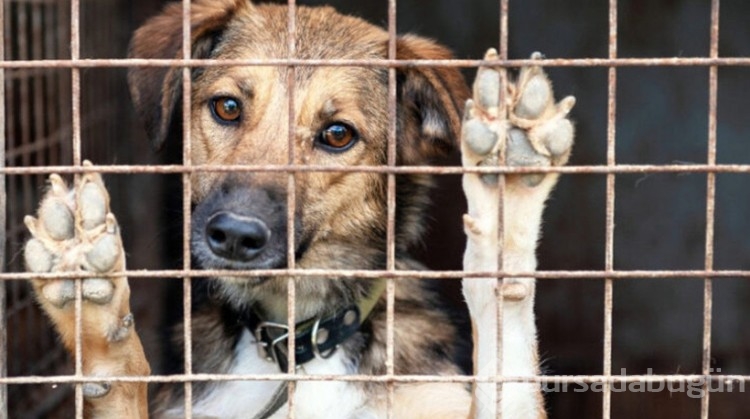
x=240, y=116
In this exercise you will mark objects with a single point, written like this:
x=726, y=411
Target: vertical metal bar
x=75, y=52
x=10, y=136
x=186, y=213
x=610, y=210
x=3, y=230
x=34, y=157
x=710, y=206
x=47, y=342
x=25, y=108
x=291, y=200
x=503, y=55
x=391, y=204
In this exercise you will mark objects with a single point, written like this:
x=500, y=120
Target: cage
x=641, y=271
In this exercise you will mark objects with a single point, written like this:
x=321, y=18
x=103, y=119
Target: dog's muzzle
x=240, y=227
x=236, y=237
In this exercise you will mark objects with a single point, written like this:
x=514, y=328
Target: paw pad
x=535, y=132
x=38, y=258
x=57, y=219
x=104, y=253
x=92, y=204
x=98, y=290
x=522, y=154
x=59, y=292
x=74, y=231
x=535, y=96
x=515, y=291
x=479, y=137
x=487, y=85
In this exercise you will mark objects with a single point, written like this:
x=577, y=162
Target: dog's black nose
x=236, y=237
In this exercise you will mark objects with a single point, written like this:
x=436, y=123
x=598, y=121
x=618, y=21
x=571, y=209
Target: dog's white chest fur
x=313, y=399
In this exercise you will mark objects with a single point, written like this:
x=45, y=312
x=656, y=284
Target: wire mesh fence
x=55, y=74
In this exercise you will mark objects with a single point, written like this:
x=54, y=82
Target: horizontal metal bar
x=385, y=63
x=431, y=170
x=397, y=274
x=183, y=378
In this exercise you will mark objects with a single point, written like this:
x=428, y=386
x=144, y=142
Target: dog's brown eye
x=338, y=137
x=226, y=109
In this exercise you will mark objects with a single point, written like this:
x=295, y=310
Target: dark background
x=662, y=118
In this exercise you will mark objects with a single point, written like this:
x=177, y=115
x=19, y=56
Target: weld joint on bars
x=510, y=63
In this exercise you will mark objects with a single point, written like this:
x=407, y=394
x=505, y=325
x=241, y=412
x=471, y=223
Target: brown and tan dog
x=239, y=116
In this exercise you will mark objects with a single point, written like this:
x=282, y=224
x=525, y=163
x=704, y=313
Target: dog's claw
x=536, y=55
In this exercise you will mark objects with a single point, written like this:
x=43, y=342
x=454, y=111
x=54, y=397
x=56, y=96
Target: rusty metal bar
x=391, y=205
x=430, y=170
x=387, y=63
x=503, y=112
x=291, y=202
x=610, y=210
x=186, y=211
x=360, y=378
x=399, y=274
x=37, y=110
x=3, y=230
x=710, y=204
x=75, y=54
x=75, y=81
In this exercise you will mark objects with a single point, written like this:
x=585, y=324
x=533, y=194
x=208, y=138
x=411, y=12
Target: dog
x=239, y=115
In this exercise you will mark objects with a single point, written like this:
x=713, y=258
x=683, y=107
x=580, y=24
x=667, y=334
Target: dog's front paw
x=74, y=231
x=535, y=129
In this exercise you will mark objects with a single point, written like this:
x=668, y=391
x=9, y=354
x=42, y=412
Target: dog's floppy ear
x=157, y=90
x=431, y=100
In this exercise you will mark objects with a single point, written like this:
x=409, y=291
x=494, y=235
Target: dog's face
x=240, y=116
